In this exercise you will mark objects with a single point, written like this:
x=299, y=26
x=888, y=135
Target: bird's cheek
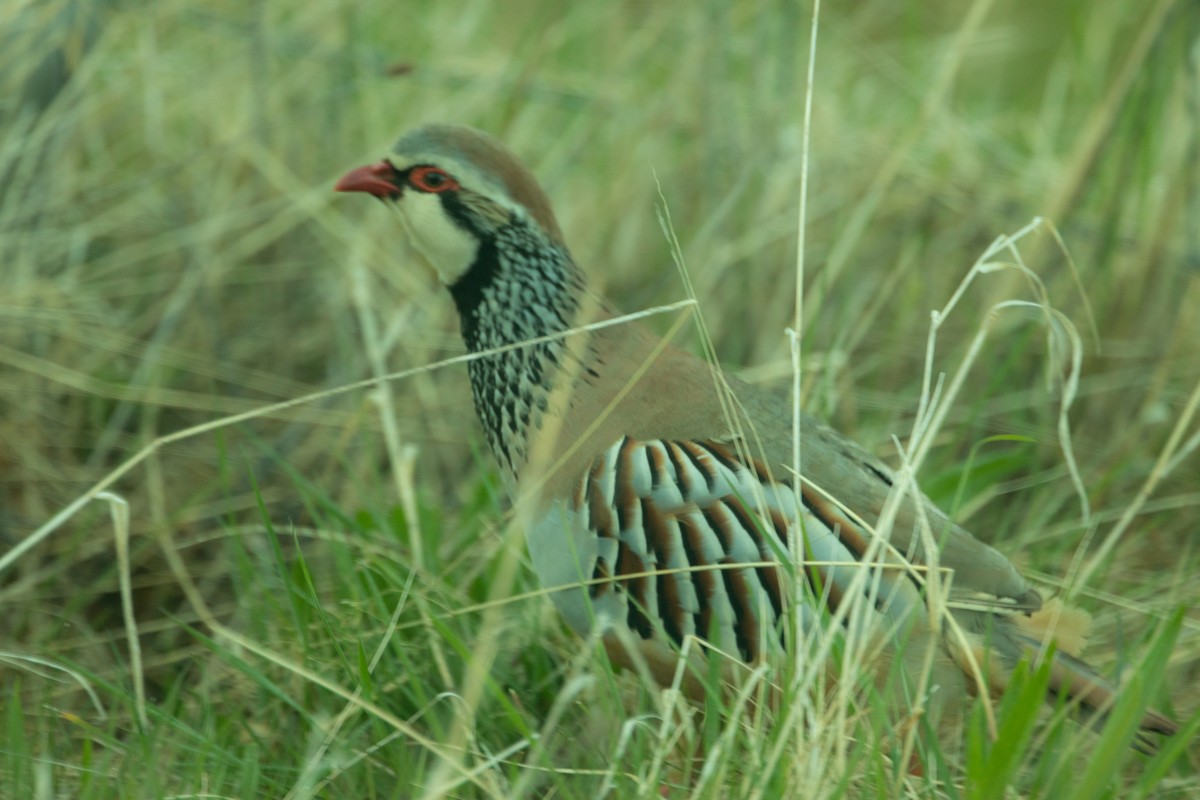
x=448, y=248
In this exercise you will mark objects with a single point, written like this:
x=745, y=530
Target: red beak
x=373, y=179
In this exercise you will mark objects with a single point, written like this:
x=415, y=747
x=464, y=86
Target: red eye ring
x=432, y=179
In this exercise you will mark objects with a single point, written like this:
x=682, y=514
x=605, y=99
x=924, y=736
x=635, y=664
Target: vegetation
x=325, y=595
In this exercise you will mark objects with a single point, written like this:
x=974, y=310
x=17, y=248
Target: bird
x=663, y=508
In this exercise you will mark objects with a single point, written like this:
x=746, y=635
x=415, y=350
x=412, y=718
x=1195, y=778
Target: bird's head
x=454, y=188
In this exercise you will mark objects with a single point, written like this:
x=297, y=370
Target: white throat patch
x=449, y=249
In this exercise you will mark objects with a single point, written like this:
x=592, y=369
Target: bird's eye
x=431, y=179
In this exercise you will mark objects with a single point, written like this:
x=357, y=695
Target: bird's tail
x=1024, y=637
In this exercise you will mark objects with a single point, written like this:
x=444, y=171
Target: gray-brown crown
x=491, y=162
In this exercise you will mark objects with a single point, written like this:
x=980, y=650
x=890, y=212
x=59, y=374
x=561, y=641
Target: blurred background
x=173, y=254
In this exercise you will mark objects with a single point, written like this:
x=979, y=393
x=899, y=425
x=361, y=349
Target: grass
x=328, y=598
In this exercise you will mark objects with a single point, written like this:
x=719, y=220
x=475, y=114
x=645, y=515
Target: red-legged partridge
x=667, y=509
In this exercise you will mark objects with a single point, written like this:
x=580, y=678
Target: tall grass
x=319, y=590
